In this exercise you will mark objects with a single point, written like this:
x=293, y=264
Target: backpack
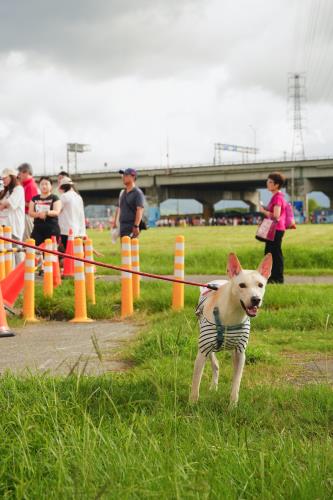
x=290, y=218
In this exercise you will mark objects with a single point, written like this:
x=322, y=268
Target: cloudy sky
x=137, y=78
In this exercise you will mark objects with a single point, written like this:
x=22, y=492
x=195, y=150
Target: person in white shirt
x=12, y=205
x=72, y=212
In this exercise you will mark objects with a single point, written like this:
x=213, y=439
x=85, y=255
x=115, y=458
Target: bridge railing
x=258, y=161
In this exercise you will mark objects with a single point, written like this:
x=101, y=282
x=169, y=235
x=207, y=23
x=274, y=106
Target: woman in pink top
x=276, y=209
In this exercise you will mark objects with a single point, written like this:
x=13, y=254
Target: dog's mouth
x=250, y=310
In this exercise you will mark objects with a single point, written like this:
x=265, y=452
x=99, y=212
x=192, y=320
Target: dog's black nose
x=255, y=301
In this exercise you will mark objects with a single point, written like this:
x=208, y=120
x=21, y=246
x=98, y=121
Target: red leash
x=109, y=266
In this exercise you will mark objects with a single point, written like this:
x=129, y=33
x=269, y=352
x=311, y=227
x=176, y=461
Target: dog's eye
x=260, y=285
x=242, y=285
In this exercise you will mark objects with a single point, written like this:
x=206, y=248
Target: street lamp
x=254, y=140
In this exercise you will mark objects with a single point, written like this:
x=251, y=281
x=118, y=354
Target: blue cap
x=129, y=171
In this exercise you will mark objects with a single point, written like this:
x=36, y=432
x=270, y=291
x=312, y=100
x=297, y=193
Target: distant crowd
x=235, y=220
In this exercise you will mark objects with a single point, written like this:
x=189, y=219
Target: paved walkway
x=61, y=348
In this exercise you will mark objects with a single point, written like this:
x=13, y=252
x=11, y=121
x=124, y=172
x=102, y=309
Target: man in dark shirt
x=130, y=206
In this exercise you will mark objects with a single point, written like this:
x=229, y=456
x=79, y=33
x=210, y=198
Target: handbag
x=266, y=230
x=143, y=225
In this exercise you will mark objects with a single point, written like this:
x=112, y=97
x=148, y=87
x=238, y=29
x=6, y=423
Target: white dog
x=224, y=322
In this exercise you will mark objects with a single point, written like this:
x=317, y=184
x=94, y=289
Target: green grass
x=134, y=435
x=308, y=250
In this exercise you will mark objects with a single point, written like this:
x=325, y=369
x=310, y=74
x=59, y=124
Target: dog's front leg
x=215, y=371
x=197, y=374
x=238, y=362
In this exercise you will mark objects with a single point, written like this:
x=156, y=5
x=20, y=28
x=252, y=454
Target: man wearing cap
x=30, y=190
x=131, y=204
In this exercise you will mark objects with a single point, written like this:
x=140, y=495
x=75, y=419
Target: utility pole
x=254, y=130
x=296, y=97
x=74, y=147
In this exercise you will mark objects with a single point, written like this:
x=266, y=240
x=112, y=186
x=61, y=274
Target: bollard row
x=84, y=275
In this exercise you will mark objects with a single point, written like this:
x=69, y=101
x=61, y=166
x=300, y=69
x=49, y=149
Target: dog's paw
x=232, y=405
x=193, y=399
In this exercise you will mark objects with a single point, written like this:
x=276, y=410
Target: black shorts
x=41, y=233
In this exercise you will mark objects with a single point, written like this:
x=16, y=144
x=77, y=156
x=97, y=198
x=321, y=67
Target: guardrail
x=200, y=165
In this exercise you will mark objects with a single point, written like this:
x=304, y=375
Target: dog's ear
x=265, y=266
x=233, y=266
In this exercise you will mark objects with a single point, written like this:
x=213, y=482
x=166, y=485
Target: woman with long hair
x=12, y=203
x=276, y=209
x=44, y=209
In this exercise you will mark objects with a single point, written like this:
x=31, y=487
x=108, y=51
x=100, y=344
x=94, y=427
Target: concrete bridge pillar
x=299, y=190
x=329, y=194
x=252, y=198
x=328, y=191
x=208, y=210
x=154, y=196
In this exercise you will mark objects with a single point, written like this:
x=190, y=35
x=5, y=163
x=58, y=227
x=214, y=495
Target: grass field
x=134, y=435
x=308, y=250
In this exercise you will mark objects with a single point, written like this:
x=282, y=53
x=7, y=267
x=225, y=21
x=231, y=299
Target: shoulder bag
x=266, y=230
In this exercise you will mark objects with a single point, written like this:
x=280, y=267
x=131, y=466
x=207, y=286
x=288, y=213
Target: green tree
x=312, y=204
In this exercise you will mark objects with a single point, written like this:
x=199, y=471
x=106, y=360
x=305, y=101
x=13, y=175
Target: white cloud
x=123, y=78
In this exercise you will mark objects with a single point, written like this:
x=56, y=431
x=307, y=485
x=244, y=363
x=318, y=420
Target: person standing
x=30, y=190
x=72, y=211
x=44, y=209
x=130, y=205
x=276, y=209
x=12, y=206
x=61, y=175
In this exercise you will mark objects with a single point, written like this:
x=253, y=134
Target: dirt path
x=60, y=348
x=309, y=368
x=205, y=278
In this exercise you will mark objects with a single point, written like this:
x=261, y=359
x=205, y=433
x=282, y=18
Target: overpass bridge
x=209, y=184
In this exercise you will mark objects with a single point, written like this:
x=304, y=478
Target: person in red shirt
x=30, y=190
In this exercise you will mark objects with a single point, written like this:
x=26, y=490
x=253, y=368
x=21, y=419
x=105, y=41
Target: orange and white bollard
x=89, y=270
x=29, y=284
x=80, y=304
x=178, y=288
x=135, y=267
x=2, y=257
x=7, y=232
x=126, y=278
x=55, y=264
x=48, y=270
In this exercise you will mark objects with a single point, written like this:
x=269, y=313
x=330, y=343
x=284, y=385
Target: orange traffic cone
x=4, y=328
x=55, y=263
x=69, y=263
x=12, y=285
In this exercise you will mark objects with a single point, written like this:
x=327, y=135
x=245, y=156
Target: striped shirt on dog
x=234, y=336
